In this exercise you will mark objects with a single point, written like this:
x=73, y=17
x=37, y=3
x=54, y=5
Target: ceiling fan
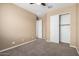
x=43, y=4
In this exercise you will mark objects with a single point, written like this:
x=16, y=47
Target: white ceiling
x=40, y=10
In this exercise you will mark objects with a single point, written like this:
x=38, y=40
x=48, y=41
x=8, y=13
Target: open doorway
x=39, y=29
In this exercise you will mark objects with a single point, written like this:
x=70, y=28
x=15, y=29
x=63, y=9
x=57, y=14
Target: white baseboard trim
x=17, y=46
x=72, y=46
x=75, y=48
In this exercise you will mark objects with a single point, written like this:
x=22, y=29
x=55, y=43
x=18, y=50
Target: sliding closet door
x=54, y=28
x=65, y=28
x=39, y=28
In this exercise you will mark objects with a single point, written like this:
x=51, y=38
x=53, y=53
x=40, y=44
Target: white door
x=39, y=28
x=65, y=28
x=54, y=28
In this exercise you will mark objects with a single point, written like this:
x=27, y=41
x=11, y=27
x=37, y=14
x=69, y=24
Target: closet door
x=54, y=28
x=65, y=28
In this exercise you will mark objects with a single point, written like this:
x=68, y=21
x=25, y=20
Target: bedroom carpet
x=41, y=48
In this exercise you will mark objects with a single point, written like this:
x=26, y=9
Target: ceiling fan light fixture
x=38, y=3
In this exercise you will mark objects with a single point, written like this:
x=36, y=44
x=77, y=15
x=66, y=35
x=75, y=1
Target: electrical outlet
x=13, y=42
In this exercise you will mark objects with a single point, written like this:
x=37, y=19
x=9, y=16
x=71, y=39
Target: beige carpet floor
x=41, y=48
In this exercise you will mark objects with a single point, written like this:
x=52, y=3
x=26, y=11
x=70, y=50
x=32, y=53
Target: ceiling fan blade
x=44, y=4
x=32, y=3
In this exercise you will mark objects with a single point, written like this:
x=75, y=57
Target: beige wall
x=68, y=9
x=44, y=20
x=16, y=25
x=78, y=27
